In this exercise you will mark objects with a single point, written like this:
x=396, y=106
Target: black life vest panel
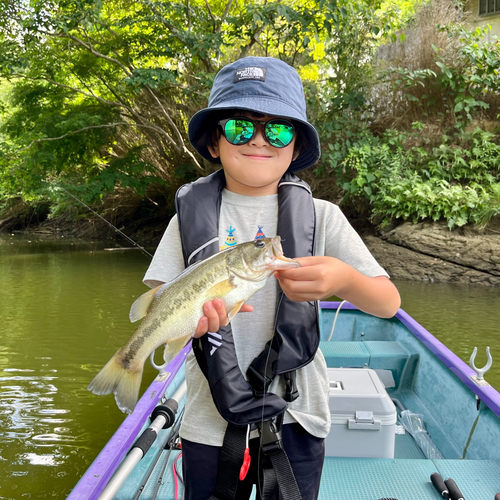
x=296, y=338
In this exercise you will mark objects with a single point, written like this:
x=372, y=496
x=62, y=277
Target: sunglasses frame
x=222, y=124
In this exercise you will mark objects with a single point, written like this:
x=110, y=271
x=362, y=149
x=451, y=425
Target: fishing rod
x=142, y=249
x=167, y=444
x=163, y=416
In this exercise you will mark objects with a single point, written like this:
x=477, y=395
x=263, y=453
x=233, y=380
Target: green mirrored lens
x=279, y=134
x=238, y=131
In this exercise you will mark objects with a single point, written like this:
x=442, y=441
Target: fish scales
x=171, y=312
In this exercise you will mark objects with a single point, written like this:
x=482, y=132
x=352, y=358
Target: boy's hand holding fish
x=318, y=278
x=215, y=317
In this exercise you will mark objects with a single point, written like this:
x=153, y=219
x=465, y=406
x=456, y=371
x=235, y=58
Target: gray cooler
x=363, y=415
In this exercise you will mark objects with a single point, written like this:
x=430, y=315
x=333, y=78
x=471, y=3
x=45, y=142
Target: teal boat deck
x=468, y=437
x=406, y=477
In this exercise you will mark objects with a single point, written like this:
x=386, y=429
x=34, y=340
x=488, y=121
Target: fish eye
x=259, y=244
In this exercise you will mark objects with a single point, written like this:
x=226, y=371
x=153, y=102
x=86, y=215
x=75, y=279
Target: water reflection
x=63, y=310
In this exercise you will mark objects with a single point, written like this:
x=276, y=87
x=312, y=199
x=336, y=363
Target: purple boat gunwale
x=104, y=466
x=488, y=395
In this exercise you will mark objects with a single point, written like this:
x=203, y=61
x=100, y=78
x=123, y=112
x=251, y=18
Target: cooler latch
x=364, y=421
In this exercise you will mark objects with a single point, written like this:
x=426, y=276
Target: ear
x=214, y=151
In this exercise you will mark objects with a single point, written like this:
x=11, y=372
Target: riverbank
x=426, y=251
x=431, y=252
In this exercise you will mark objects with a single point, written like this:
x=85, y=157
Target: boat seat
x=345, y=354
x=375, y=354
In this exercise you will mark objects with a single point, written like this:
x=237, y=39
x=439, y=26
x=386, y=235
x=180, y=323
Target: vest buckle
x=292, y=392
x=270, y=435
x=260, y=373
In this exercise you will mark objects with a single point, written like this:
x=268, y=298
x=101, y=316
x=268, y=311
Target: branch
x=188, y=11
x=177, y=131
x=253, y=41
x=254, y=38
x=107, y=125
x=136, y=115
x=212, y=16
x=94, y=52
x=137, y=118
x=88, y=94
x=226, y=12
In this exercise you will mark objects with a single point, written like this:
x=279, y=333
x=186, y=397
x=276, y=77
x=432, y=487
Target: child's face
x=254, y=168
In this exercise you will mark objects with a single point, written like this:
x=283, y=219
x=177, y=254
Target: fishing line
x=142, y=249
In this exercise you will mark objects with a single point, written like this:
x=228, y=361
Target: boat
x=443, y=420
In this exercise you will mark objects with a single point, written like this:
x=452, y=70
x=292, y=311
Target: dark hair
x=210, y=133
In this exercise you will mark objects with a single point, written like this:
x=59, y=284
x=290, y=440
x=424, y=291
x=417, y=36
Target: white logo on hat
x=250, y=73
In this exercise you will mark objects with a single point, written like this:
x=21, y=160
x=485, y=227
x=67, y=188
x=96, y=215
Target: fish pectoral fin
x=173, y=347
x=141, y=306
x=221, y=289
x=234, y=311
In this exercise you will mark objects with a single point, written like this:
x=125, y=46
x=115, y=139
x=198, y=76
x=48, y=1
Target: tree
x=102, y=91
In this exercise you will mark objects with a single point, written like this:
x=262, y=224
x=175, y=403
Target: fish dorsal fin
x=141, y=305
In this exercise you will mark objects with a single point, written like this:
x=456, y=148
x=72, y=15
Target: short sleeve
x=167, y=261
x=337, y=238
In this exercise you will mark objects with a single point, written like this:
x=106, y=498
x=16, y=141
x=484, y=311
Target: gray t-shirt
x=244, y=218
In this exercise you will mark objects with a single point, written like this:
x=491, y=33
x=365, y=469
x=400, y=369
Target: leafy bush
x=455, y=182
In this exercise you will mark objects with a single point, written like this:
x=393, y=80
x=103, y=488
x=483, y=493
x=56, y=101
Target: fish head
x=259, y=258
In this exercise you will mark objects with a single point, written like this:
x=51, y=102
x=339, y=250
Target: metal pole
x=136, y=454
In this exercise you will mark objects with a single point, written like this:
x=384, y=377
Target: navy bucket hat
x=265, y=85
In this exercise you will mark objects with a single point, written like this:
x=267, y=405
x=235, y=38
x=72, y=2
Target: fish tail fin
x=124, y=382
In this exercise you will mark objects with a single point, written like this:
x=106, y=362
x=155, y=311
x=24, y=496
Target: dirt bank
x=417, y=252
x=431, y=252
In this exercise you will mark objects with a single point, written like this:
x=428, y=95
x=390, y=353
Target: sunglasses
x=240, y=130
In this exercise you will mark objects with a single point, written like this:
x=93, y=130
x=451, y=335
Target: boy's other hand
x=321, y=277
x=317, y=278
x=215, y=317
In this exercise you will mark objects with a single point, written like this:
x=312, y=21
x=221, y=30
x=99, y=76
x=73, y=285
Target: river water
x=64, y=311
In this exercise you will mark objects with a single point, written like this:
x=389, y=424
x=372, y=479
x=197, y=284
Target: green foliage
x=96, y=97
x=457, y=183
x=100, y=93
x=455, y=89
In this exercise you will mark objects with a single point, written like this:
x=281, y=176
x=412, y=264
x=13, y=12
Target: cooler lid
x=358, y=389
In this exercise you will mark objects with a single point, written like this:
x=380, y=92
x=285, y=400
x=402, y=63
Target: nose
x=259, y=138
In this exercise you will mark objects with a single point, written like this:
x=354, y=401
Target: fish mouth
x=278, y=260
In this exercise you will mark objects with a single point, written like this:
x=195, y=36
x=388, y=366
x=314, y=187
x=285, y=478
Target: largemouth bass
x=171, y=311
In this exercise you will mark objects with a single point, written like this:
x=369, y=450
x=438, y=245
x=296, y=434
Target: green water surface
x=64, y=311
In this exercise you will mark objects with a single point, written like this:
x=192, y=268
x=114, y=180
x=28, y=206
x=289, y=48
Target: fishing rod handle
x=455, y=493
x=438, y=483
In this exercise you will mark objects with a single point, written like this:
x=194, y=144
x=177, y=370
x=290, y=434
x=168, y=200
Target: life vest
x=296, y=339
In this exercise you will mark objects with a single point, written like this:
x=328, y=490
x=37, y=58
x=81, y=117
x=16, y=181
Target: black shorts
x=305, y=452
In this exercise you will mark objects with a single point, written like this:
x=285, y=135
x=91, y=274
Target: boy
x=256, y=127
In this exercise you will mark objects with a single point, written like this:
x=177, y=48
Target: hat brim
x=307, y=157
